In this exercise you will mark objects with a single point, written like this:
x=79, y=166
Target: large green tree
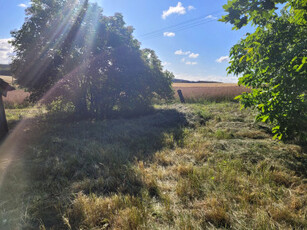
x=68, y=48
x=272, y=61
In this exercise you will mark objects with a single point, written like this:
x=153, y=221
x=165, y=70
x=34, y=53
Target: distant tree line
x=5, y=70
x=187, y=81
x=95, y=60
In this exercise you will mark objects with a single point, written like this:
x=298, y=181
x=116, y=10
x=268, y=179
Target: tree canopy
x=272, y=61
x=92, y=60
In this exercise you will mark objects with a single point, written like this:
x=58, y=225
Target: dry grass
x=15, y=97
x=209, y=91
x=92, y=212
x=8, y=79
x=190, y=166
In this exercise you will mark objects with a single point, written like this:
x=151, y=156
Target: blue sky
x=197, y=50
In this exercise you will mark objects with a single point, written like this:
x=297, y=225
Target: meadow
x=184, y=166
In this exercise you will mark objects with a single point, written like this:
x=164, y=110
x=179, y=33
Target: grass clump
x=190, y=188
x=223, y=134
x=117, y=211
x=213, y=211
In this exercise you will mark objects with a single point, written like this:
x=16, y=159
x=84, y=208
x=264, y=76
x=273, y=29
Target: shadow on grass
x=296, y=162
x=45, y=162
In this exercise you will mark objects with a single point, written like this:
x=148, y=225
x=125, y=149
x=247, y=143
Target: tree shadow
x=53, y=159
x=296, y=162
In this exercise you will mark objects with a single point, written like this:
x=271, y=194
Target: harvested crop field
x=14, y=97
x=210, y=90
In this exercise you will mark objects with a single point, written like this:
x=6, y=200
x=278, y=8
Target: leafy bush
x=273, y=62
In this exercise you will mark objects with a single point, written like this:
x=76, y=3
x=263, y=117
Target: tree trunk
x=3, y=123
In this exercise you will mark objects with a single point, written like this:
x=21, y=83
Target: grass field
x=209, y=91
x=16, y=97
x=8, y=79
x=192, y=166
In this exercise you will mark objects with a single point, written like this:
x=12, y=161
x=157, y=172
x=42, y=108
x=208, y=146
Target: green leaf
x=293, y=60
x=265, y=118
x=300, y=67
x=241, y=58
x=257, y=43
x=275, y=136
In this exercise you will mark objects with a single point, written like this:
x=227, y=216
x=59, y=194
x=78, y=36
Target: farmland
x=16, y=97
x=191, y=91
x=8, y=79
x=193, y=166
x=209, y=91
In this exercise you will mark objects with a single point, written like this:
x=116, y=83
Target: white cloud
x=6, y=51
x=193, y=55
x=210, y=17
x=179, y=9
x=223, y=59
x=191, y=63
x=180, y=52
x=183, y=60
x=191, y=8
x=23, y=5
x=169, y=34
x=165, y=64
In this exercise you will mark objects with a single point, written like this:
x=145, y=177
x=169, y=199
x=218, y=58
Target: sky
x=186, y=35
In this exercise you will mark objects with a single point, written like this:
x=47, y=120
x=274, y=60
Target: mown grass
x=193, y=166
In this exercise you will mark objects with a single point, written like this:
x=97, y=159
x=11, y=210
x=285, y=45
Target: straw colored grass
x=8, y=79
x=192, y=166
x=14, y=98
x=209, y=91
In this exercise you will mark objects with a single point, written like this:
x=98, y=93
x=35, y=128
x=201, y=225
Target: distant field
x=8, y=79
x=189, y=90
x=210, y=90
x=202, y=85
x=14, y=97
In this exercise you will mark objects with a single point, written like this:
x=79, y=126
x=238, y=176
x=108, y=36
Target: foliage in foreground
x=183, y=167
x=69, y=49
x=273, y=62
